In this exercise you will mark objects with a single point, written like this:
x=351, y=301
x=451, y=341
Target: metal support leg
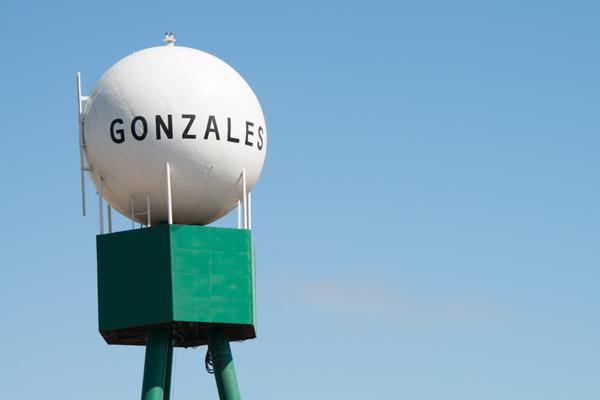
x=157, y=366
x=220, y=351
x=169, y=371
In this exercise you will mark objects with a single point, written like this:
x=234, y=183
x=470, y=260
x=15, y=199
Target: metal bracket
x=244, y=211
x=83, y=165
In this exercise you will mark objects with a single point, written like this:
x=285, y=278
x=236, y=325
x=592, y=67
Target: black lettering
x=211, y=126
x=142, y=136
x=229, y=137
x=260, y=138
x=114, y=133
x=249, y=132
x=167, y=129
x=191, y=118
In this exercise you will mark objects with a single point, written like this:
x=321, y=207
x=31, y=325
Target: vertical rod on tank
x=157, y=365
x=244, y=196
x=81, y=144
x=148, y=211
x=239, y=215
x=220, y=352
x=109, y=216
x=100, y=205
x=249, y=210
x=169, y=202
x=132, y=214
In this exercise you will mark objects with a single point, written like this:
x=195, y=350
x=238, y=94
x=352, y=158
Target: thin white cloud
x=366, y=298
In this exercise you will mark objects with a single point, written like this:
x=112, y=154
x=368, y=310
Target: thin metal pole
x=220, y=352
x=148, y=212
x=78, y=82
x=245, y=199
x=109, y=217
x=81, y=144
x=249, y=210
x=169, y=200
x=157, y=366
x=132, y=214
x=239, y=215
x=100, y=205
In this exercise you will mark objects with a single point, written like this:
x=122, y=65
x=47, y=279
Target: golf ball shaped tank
x=181, y=106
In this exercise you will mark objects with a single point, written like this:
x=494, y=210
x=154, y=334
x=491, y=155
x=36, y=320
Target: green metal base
x=182, y=278
x=177, y=285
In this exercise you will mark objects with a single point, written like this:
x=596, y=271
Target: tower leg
x=220, y=352
x=157, y=366
x=168, y=373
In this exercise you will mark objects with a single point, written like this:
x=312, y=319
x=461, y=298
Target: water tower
x=174, y=139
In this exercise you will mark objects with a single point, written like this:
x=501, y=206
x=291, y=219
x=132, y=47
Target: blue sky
x=427, y=221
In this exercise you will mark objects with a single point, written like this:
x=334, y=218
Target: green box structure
x=186, y=279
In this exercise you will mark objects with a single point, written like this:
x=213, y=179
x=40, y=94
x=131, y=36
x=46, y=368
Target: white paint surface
x=206, y=174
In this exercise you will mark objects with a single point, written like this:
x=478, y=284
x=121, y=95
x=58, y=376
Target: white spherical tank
x=180, y=106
